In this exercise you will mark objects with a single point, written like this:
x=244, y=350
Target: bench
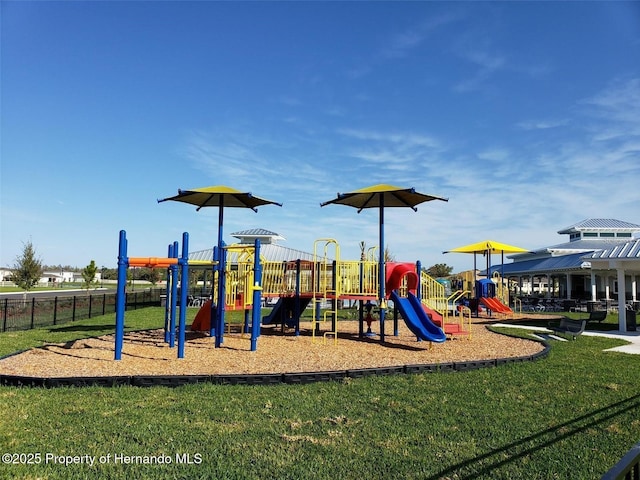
x=570, y=327
x=597, y=316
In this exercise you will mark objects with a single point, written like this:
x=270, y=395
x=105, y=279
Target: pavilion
x=569, y=270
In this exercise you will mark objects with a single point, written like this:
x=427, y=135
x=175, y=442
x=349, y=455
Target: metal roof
x=587, y=244
x=600, y=224
x=257, y=233
x=626, y=250
x=583, y=245
x=548, y=264
x=270, y=252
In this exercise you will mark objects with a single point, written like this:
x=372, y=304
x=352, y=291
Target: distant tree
x=388, y=255
x=368, y=253
x=110, y=274
x=155, y=276
x=439, y=270
x=89, y=274
x=58, y=267
x=28, y=268
x=151, y=275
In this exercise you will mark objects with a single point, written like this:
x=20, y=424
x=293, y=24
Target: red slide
x=394, y=274
x=496, y=305
x=202, y=322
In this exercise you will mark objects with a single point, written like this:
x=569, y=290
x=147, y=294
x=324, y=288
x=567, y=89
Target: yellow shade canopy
x=383, y=195
x=219, y=196
x=489, y=246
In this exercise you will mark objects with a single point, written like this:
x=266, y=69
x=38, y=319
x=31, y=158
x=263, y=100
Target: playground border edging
x=297, y=378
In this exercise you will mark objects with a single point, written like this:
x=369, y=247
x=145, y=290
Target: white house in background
x=5, y=274
x=49, y=278
x=57, y=278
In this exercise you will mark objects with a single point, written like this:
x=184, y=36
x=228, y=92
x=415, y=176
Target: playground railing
x=439, y=304
x=358, y=277
x=432, y=293
x=322, y=281
x=453, y=299
x=273, y=279
x=517, y=305
x=237, y=294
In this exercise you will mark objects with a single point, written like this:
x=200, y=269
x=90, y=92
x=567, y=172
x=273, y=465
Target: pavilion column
x=634, y=288
x=569, y=286
x=607, y=288
x=622, y=301
x=594, y=287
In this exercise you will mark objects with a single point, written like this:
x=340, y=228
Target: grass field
x=571, y=415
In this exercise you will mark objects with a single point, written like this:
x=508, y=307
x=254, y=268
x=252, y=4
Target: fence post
x=55, y=310
x=90, y=298
x=33, y=309
x=4, y=320
x=104, y=303
x=73, y=313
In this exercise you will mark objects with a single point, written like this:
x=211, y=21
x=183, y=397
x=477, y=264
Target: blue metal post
x=221, y=297
x=213, y=315
x=381, y=272
x=221, y=280
x=184, y=289
x=123, y=262
x=174, y=298
x=395, y=320
x=257, y=298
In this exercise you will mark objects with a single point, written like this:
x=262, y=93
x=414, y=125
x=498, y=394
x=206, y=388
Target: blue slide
x=417, y=319
x=285, y=308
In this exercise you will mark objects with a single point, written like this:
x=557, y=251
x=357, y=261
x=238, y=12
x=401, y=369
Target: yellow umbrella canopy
x=487, y=246
x=219, y=196
x=382, y=195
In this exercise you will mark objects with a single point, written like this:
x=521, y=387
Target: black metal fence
x=628, y=468
x=25, y=314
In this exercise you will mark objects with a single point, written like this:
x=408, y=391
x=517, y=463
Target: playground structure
x=418, y=298
x=326, y=281
x=178, y=273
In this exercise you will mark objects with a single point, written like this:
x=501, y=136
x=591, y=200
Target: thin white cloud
x=542, y=124
x=615, y=110
x=407, y=138
x=402, y=42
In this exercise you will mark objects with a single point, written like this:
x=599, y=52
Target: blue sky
x=525, y=115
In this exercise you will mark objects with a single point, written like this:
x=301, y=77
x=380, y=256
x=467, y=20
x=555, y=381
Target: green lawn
x=571, y=415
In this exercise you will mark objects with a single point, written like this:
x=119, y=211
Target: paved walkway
x=633, y=347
